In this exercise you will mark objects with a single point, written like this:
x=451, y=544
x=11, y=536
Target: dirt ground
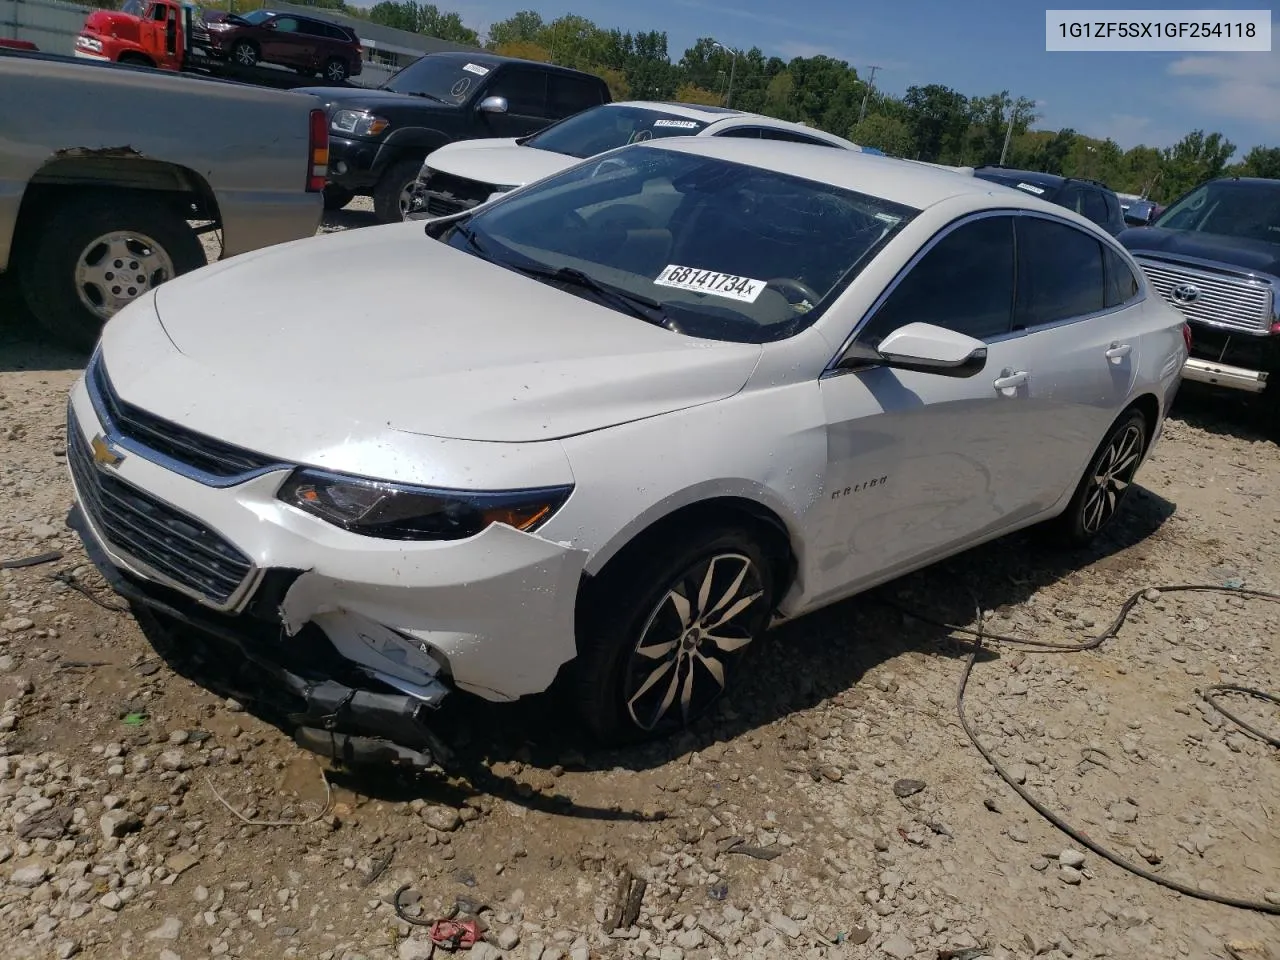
x=866, y=824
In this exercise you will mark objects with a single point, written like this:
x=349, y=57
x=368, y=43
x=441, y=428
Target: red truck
x=147, y=33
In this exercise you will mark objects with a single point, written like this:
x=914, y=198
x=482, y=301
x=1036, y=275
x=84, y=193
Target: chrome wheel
x=117, y=268
x=1112, y=475
x=336, y=71
x=407, y=198
x=691, y=641
x=245, y=55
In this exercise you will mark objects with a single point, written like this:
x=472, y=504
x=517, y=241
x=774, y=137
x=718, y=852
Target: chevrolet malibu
x=609, y=429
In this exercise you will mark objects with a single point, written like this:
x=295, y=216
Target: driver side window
x=964, y=283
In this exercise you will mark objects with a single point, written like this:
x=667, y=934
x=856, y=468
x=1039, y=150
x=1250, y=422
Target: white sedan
x=612, y=426
x=463, y=174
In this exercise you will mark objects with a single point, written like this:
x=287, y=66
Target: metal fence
x=51, y=25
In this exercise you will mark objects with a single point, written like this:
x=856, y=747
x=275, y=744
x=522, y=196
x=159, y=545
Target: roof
x=911, y=184
x=483, y=57
x=691, y=111
x=703, y=107
x=1033, y=177
x=376, y=32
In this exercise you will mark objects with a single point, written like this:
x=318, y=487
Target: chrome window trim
x=832, y=369
x=111, y=433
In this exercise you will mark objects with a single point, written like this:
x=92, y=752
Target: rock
x=784, y=924
x=689, y=939
x=173, y=760
x=167, y=954
x=509, y=938
x=181, y=862
x=8, y=722
x=179, y=737
x=898, y=947
x=66, y=949
x=117, y=823
x=29, y=876
x=444, y=819
x=17, y=624
x=906, y=788
x=1070, y=875
x=1247, y=950
x=110, y=901
x=1071, y=858
x=284, y=933
x=668, y=953
x=415, y=948
x=170, y=929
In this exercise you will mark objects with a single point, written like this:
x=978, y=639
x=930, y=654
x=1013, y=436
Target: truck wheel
x=94, y=255
x=335, y=198
x=394, y=192
x=244, y=53
x=335, y=70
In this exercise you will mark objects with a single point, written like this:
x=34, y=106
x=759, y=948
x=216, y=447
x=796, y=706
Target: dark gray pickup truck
x=1215, y=255
x=104, y=168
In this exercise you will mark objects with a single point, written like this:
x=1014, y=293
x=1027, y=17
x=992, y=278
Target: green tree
x=427, y=19
x=1259, y=162
x=524, y=27
x=1195, y=158
x=890, y=134
x=939, y=120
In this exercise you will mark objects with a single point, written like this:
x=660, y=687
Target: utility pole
x=1008, y=133
x=733, y=66
x=871, y=82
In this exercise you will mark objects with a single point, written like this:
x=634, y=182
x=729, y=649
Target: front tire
x=663, y=634
x=393, y=196
x=96, y=253
x=1105, y=484
x=244, y=54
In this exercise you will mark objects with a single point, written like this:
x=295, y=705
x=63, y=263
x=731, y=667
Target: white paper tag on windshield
x=681, y=124
x=1030, y=189
x=709, y=281
x=476, y=69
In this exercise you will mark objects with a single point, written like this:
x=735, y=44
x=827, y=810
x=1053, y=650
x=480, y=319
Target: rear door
x=1078, y=314
x=525, y=90
x=568, y=94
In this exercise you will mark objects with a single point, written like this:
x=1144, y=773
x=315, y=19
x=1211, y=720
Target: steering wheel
x=794, y=286
x=604, y=165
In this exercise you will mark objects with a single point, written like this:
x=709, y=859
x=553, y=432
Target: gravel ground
x=866, y=823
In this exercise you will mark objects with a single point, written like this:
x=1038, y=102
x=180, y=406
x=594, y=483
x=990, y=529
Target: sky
x=977, y=47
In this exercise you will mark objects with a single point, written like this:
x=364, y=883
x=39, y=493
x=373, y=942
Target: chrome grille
x=215, y=458
x=170, y=542
x=1227, y=302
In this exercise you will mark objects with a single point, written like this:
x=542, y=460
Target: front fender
x=412, y=143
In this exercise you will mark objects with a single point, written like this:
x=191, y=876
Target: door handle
x=1010, y=380
x=1118, y=351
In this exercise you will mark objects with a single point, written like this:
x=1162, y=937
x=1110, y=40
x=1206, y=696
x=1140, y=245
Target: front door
x=920, y=463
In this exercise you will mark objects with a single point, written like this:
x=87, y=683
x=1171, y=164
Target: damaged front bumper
x=348, y=721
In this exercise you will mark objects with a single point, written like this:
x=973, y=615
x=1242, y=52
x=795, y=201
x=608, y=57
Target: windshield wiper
x=425, y=96
x=636, y=304
x=472, y=240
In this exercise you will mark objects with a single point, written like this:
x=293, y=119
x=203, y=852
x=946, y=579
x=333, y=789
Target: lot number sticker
x=1030, y=189
x=743, y=289
x=679, y=124
x=478, y=70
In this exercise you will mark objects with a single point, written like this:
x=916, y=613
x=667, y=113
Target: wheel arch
x=1149, y=406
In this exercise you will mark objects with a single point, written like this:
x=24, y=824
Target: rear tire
x=391, y=195
x=335, y=198
x=335, y=70
x=1106, y=483
x=89, y=252
x=671, y=604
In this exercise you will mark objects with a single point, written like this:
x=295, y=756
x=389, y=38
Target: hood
x=367, y=98
x=386, y=326
x=500, y=163
x=111, y=23
x=1257, y=255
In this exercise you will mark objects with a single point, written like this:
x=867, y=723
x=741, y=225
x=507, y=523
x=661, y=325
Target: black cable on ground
x=1046, y=646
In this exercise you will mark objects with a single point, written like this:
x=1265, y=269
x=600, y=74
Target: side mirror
x=923, y=348
x=1140, y=217
x=493, y=105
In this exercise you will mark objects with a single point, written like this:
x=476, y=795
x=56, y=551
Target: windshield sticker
x=461, y=87
x=1030, y=189
x=680, y=124
x=478, y=70
x=743, y=289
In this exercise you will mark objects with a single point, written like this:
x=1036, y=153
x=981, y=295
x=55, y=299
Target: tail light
x=1186, y=336
x=318, y=150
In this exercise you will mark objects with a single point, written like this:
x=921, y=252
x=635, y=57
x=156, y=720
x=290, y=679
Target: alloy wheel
x=1112, y=475
x=691, y=642
x=245, y=55
x=115, y=269
x=336, y=71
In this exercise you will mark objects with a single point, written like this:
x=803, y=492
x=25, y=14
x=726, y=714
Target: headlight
x=358, y=123
x=88, y=43
x=393, y=511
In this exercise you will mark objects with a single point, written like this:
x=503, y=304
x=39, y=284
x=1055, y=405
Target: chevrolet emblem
x=104, y=454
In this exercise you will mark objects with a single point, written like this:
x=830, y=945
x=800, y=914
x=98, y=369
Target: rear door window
x=791, y=136
x=567, y=95
x=525, y=90
x=1094, y=206
x=1060, y=274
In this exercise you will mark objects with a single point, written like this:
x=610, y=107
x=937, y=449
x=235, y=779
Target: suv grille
x=444, y=193
x=217, y=459
x=1225, y=301
x=170, y=542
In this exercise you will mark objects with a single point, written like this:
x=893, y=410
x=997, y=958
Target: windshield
x=1229, y=208
x=719, y=250
x=134, y=8
x=254, y=17
x=602, y=128
x=449, y=79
